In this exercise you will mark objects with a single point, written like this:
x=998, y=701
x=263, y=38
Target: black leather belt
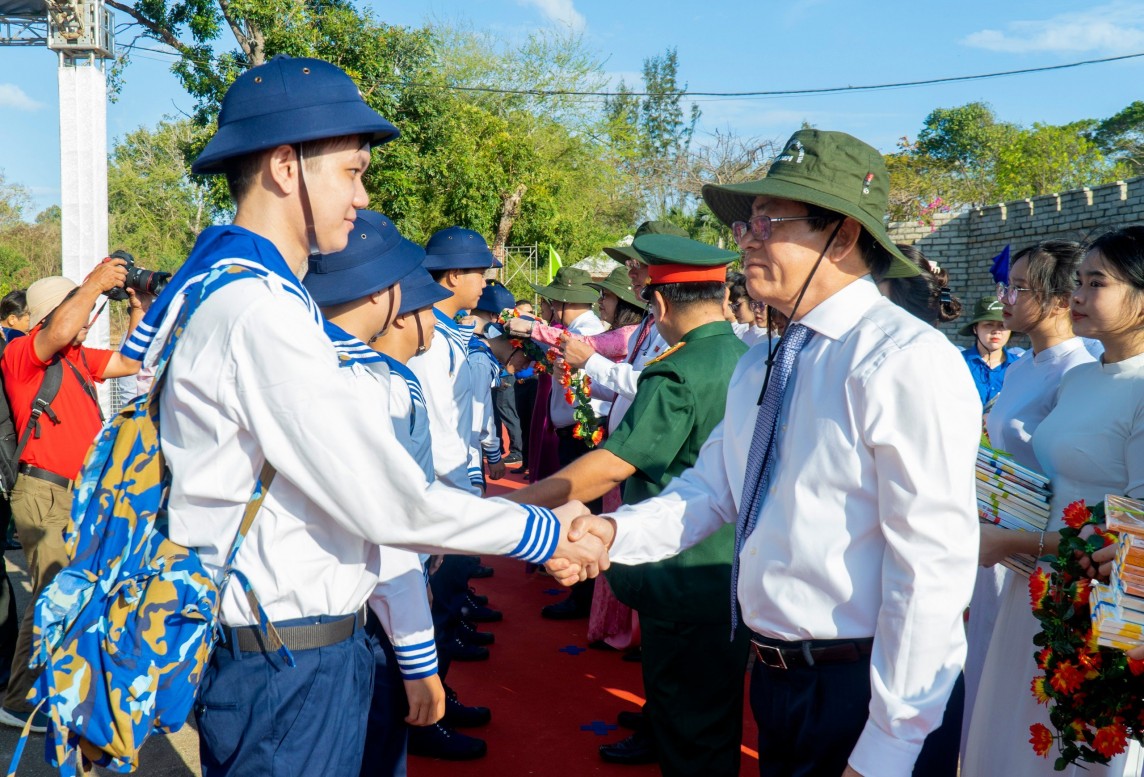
x=46, y=475
x=317, y=635
x=809, y=653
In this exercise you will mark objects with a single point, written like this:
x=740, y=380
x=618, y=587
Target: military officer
x=693, y=676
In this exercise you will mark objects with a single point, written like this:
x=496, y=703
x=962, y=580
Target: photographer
x=56, y=440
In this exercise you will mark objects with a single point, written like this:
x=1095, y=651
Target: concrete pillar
x=83, y=177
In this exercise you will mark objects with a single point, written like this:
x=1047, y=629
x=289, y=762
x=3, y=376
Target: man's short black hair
x=683, y=295
x=15, y=303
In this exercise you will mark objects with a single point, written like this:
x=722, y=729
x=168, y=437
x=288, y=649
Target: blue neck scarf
x=215, y=245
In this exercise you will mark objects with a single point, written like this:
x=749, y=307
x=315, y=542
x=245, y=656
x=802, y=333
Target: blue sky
x=723, y=45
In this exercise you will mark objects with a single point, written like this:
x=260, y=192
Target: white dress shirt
x=254, y=377
x=483, y=440
x=560, y=412
x=622, y=377
x=1029, y=394
x=869, y=526
x=447, y=380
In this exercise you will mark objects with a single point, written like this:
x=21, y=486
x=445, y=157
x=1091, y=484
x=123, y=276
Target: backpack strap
x=42, y=404
x=270, y=637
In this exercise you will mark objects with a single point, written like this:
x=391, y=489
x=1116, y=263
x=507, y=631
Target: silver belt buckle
x=770, y=656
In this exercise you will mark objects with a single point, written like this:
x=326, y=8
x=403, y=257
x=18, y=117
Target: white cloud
x=1114, y=28
x=560, y=11
x=12, y=96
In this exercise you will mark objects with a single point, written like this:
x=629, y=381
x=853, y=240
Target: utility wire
x=725, y=95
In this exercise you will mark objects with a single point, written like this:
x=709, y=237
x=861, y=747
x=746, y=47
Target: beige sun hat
x=46, y=294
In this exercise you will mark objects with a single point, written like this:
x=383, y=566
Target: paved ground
x=163, y=756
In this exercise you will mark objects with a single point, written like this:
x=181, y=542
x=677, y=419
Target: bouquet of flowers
x=1095, y=694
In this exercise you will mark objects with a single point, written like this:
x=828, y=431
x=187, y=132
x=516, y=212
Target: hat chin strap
x=421, y=346
x=307, y=211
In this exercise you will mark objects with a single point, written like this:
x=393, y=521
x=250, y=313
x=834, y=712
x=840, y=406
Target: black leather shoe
x=636, y=749
x=438, y=741
x=476, y=597
x=459, y=650
x=512, y=458
x=481, y=572
x=458, y=715
x=631, y=720
x=468, y=633
x=479, y=613
x=566, y=610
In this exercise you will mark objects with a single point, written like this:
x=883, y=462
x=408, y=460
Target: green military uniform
x=693, y=675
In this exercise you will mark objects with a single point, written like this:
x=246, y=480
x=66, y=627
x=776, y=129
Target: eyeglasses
x=760, y=226
x=1008, y=294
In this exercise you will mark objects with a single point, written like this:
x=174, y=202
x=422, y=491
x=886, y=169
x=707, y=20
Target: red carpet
x=554, y=701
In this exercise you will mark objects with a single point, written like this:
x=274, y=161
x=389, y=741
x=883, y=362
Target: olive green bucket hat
x=619, y=284
x=832, y=170
x=570, y=284
x=987, y=309
x=623, y=253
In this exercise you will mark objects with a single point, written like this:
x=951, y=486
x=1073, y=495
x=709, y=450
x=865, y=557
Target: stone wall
x=966, y=242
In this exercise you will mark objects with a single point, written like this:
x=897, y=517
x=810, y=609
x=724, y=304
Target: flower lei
x=1095, y=694
x=578, y=392
x=577, y=387
x=536, y=354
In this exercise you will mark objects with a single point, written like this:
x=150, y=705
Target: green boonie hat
x=988, y=308
x=674, y=259
x=619, y=284
x=830, y=169
x=623, y=253
x=568, y=285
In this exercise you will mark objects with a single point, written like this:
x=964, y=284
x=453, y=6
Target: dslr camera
x=146, y=281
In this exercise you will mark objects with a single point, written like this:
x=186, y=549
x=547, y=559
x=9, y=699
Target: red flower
x=1039, y=692
x=1067, y=678
x=1076, y=514
x=597, y=436
x=1041, y=739
x=1082, y=592
x=566, y=380
x=1038, y=587
x=1089, y=661
x=1043, y=656
x=587, y=384
x=1136, y=667
x=1110, y=740
x=569, y=397
x=578, y=431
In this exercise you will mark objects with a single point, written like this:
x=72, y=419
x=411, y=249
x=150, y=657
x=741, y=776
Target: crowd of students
x=774, y=464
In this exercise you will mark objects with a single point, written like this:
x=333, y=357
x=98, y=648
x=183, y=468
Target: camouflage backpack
x=124, y=632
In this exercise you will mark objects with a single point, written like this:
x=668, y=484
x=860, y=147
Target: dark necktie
x=760, y=456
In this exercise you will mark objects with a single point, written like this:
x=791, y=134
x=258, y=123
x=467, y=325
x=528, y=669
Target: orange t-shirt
x=61, y=448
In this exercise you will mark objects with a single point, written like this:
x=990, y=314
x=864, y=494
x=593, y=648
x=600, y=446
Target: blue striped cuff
x=416, y=661
x=135, y=347
x=541, y=536
x=493, y=456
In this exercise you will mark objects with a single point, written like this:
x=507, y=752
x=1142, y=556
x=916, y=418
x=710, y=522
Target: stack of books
x=1118, y=608
x=1013, y=497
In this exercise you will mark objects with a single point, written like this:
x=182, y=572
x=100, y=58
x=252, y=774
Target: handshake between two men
x=584, y=543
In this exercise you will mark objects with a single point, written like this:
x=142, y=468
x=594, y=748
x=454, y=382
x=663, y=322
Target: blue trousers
x=257, y=716
x=387, y=734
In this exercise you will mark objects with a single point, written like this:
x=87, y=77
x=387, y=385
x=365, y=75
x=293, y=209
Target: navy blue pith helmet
x=419, y=290
x=375, y=258
x=285, y=101
x=457, y=248
x=495, y=298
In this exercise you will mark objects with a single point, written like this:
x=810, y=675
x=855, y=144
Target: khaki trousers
x=41, y=511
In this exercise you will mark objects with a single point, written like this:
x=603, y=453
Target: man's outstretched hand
x=581, y=554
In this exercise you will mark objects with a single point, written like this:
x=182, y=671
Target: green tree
x=155, y=208
x=1121, y=136
x=651, y=135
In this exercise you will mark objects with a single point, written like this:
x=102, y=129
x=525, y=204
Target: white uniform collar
x=839, y=313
